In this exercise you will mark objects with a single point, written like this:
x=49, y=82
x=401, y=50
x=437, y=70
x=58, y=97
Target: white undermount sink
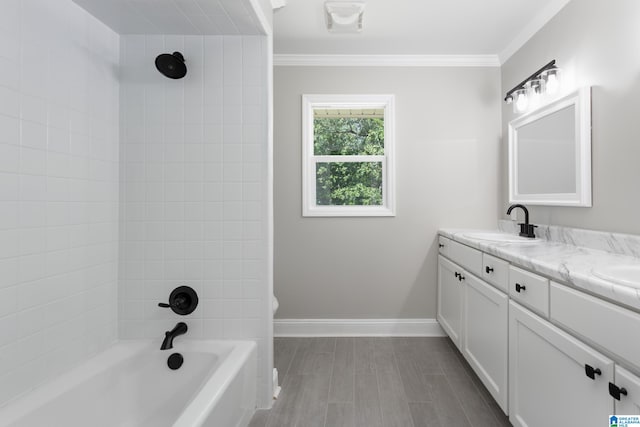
x=500, y=237
x=627, y=275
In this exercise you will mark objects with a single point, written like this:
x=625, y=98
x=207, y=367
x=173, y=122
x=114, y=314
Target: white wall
x=447, y=145
x=597, y=43
x=193, y=190
x=58, y=190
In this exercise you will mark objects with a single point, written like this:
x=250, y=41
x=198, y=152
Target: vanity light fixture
x=344, y=16
x=529, y=93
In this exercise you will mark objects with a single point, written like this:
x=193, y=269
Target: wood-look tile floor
x=377, y=382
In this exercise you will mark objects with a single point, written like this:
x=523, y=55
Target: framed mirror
x=550, y=153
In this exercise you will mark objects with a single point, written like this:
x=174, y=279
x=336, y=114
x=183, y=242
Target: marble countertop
x=561, y=261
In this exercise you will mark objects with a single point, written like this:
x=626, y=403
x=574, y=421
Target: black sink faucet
x=526, y=229
x=180, y=329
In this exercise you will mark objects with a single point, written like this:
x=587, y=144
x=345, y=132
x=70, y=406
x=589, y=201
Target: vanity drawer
x=468, y=258
x=529, y=289
x=495, y=271
x=604, y=324
x=443, y=245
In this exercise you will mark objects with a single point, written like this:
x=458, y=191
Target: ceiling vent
x=344, y=16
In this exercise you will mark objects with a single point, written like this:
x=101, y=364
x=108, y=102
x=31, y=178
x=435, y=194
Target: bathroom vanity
x=552, y=329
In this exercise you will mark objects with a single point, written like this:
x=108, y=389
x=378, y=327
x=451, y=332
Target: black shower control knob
x=183, y=300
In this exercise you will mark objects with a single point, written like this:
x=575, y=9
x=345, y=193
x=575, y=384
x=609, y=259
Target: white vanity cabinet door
x=485, y=335
x=548, y=385
x=450, y=299
x=628, y=404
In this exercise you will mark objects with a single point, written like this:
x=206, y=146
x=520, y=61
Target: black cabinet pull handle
x=440, y=245
x=488, y=269
x=457, y=274
x=615, y=391
x=591, y=372
x=520, y=287
x=461, y=277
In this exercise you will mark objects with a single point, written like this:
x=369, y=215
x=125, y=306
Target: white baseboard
x=357, y=328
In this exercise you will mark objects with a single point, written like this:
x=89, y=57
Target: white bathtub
x=130, y=385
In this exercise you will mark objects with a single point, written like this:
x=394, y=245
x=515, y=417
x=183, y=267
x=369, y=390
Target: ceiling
x=185, y=17
x=415, y=27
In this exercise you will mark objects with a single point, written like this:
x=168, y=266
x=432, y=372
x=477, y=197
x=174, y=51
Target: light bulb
x=552, y=84
x=522, y=101
x=552, y=80
x=534, y=92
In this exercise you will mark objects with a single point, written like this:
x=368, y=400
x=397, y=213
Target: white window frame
x=309, y=160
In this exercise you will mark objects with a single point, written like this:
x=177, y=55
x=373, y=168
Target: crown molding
x=264, y=22
x=536, y=24
x=292, y=60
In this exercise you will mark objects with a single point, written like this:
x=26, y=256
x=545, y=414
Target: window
x=348, y=167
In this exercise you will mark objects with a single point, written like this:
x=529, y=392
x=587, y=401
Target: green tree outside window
x=349, y=183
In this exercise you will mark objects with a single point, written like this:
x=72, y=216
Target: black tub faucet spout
x=180, y=329
x=526, y=229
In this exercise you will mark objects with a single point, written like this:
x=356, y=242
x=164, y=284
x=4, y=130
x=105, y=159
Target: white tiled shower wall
x=193, y=205
x=58, y=190
x=193, y=189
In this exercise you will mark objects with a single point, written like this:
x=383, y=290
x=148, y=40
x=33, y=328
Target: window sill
x=349, y=211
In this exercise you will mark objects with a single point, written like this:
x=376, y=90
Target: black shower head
x=171, y=65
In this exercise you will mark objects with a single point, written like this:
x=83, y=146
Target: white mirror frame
x=581, y=99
